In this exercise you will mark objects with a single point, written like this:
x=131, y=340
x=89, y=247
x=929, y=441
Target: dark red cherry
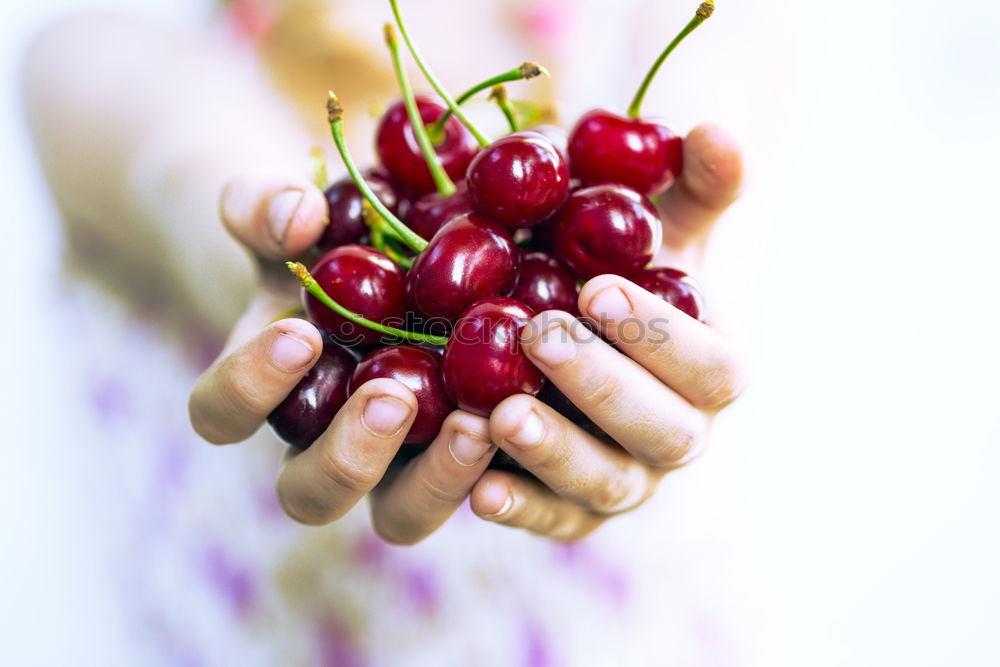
x=430, y=213
x=606, y=229
x=518, y=180
x=362, y=280
x=642, y=154
x=484, y=362
x=469, y=258
x=399, y=152
x=545, y=283
x=312, y=404
x=673, y=286
x=345, y=207
x=420, y=370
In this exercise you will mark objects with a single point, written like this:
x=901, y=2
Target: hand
x=655, y=401
x=279, y=220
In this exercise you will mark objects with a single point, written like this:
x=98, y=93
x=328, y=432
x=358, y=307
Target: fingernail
x=610, y=305
x=468, y=451
x=290, y=353
x=555, y=346
x=281, y=212
x=499, y=493
x=385, y=415
x=531, y=433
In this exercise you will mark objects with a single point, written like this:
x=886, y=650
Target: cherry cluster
x=514, y=227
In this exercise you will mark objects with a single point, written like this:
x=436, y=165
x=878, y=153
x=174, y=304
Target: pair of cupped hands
x=654, y=396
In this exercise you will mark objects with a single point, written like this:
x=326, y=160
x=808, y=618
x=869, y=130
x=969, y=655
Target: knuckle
x=297, y=513
x=346, y=474
x=430, y=488
x=613, y=494
x=243, y=395
x=720, y=387
x=601, y=390
x=678, y=449
x=392, y=532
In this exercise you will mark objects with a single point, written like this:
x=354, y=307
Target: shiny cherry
x=362, y=280
x=400, y=154
x=641, y=154
x=673, y=286
x=545, y=283
x=420, y=370
x=345, y=208
x=469, y=258
x=312, y=404
x=430, y=213
x=519, y=180
x=484, y=362
x=606, y=229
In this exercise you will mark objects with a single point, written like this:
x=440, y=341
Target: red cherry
x=673, y=286
x=312, y=404
x=344, y=205
x=641, y=154
x=606, y=229
x=362, y=280
x=545, y=283
x=420, y=370
x=484, y=362
x=469, y=258
x=430, y=213
x=400, y=154
x=518, y=180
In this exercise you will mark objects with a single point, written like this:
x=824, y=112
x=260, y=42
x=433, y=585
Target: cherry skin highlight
x=399, y=151
x=432, y=211
x=673, y=286
x=641, y=154
x=484, y=362
x=545, y=283
x=346, y=211
x=365, y=282
x=606, y=229
x=420, y=370
x=469, y=258
x=314, y=402
x=519, y=180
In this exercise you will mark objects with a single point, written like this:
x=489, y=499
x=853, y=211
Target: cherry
x=673, y=286
x=430, y=213
x=469, y=258
x=399, y=150
x=484, y=362
x=420, y=370
x=312, y=404
x=519, y=180
x=545, y=283
x=606, y=229
x=345, y=209
x=366, y=282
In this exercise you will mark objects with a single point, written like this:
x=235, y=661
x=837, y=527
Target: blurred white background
x=861, y=467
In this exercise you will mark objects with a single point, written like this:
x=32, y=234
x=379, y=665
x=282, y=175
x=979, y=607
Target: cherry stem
x=317, y=159
x=300, y=271
x=435, y=84
x=528, y=70
x=704, y=11
x=335, y=115
x=442, y=181
x=499, y=95
x=383, y=237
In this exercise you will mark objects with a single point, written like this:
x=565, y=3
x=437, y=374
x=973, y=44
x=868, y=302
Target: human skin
x=142, y=160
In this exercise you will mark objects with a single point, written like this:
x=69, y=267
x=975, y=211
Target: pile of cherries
x=513, y=227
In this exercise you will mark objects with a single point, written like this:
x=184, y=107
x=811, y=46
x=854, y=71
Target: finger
x=324, y=482
x=277, y=219
x=232, y=398
x=654, y=423
x=690, y=357
x=567, y=459
x=518, y=502
x=709, y=183
x=432, y=486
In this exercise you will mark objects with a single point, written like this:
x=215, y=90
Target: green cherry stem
x=528, y=70
x=704, y=11
x=442, y=181
x=435, y=84
x=309, y=283
x=499, y=95
x=335, y=116
x=383, y=237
